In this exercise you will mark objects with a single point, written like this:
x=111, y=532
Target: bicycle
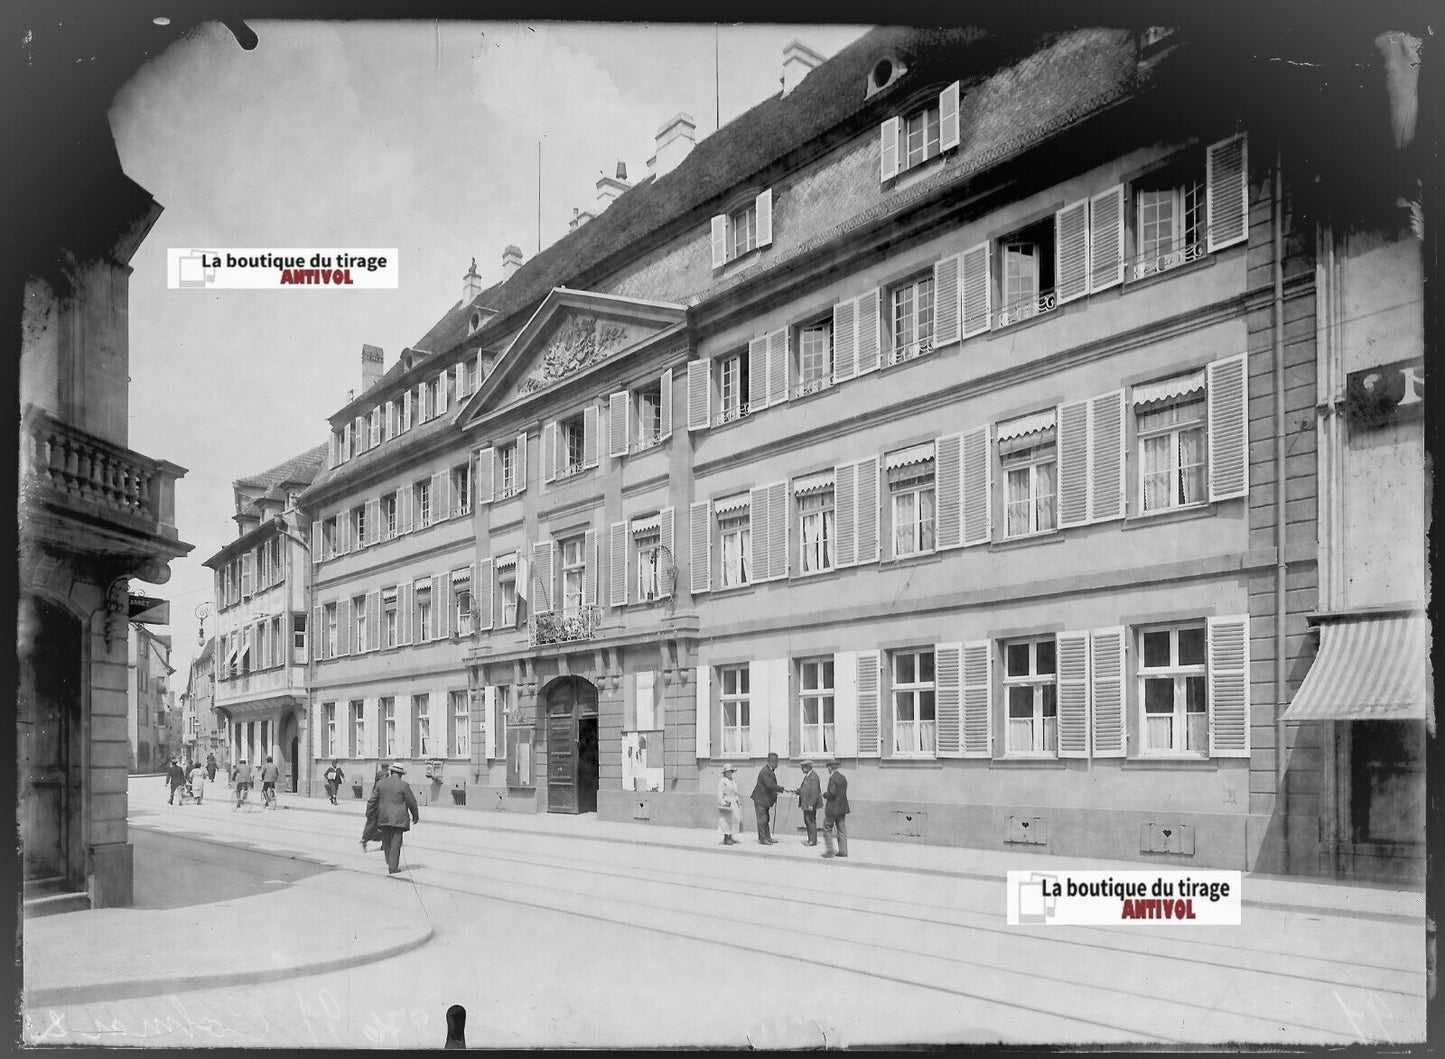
x=268, y=796
x=243, y=792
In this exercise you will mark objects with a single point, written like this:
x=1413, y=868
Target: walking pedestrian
x=835, y=816
x=198, y=783
x=270, y=773
x=392, y=801
x=765, y=796
x=241, y=775
x=810, y=797
x=211, y=767
x=333, y=777
x=729, y=806
x=175, y=776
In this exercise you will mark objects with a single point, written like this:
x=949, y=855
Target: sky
x=418, y=135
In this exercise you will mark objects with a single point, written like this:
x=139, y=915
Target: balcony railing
x=506, y=492
x=1016, y=312
x=731, y=415
x=564, y=627
x=910, y=351
x=818, y=385
x=69, y=464
x=1146, y=265
x=651, y=441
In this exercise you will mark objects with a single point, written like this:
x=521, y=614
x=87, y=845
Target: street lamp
x=203, y=611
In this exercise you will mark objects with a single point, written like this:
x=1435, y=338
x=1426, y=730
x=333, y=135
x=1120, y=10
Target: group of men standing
x=811, y=797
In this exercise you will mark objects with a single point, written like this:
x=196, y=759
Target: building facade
x=952, y=413
x=148, y=698
x=204, y=734
x=261, y=586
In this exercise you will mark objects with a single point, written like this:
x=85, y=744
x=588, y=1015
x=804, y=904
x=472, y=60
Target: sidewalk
x=221, y=916
x=1310, y=896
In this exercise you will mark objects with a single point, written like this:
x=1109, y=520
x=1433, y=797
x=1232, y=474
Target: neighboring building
x=148, y=698
x=928, y=415
x=261, y=593
x=205, y=735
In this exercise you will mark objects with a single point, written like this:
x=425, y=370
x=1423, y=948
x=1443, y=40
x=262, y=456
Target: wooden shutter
x=699, y=394
x=976, y=292
x=868, y=322
x=845, y=704
x=700, y=546
x=778, y=366
x=617, y=423
x=318, y=634
x=869, y=744
x=719, y=240
x=441, y=393
x=1228, y=641
x=1106, y=238
x=405, y=607
x=976, y=491
x=948, y=477
x=1106, y=456
x=343, y=627
x=1071, y=251
x=759, y=706
x=488, y=722
x=1106, y=691
x=866, y=525
x=549, y=451
x=757, y=394
x=388, y=429
x=1071, y=655
x=778, y=522
x=403, y=510
x=373, y=520
x=948, y=118
x=406, y=410
x=485, y=474
x=1073, y=450
x=946, y=303
x=1228, y=398
x=542, y=576
x=665, y=406
x=589, y=568
x=759, y=563
x=521, y=471
x=779, y=707
x=845, y=340
x=617, y=564
x=441, y=498
x=888, y=149
x=978, y=699
x=948, y=684
x=248, y=574
x=665, y=534
x=765, y=217
x=343, y=519
x=590, y=441
x=373, y=620
x=1227, y=192
x=442, y=594
x=702, y=711
x=845, y=522
x=483, y=591
x=316, y=540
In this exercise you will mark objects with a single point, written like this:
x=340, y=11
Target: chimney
x=471, y=284
x=674, y=142
x=798, y=59
x=371, y=357
x=579, y=218
x=608, y=188
x=511, y=261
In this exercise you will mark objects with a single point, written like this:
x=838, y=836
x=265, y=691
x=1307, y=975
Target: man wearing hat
x=729, y=806
x=391, y=801
x=836, y=815
x=765, y=796
x=810, y=797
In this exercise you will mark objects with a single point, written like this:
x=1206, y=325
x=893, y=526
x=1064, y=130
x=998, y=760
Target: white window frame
x=388, y=726
x=461, y=724
x=422, y=612
x=358, y=621
x=421, y=711
x=1028, y=465
x=1043, y=727
x=924, y=126
x=647, y=556
x=421, y=503
x=915, y=694
x=356, y=713
x=912, y=531
x=735, y=562
x=507, y=587
x=462, y=607
x=570, y=430
x=732, y=386
x=820, y=555
x=736, y=739
x=573, y=556
x=329, y=613
x=815, y=356
x=816, y=685
x=647, y=405
x=461, y=490
x=1181, y=675
x=390, y=618
x=390, y=508
x=1172, y=432
x=742, y=228
x=914, y=336
x=507, y=467
x=328, y=710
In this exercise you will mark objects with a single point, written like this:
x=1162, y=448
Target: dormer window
x=743, y=229
x=475, y=323
x=886, y=71
x=921, y=133
x=920, y=136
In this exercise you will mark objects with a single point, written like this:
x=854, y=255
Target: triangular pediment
x=571, y=333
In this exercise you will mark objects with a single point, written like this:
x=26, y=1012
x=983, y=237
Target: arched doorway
x=573, y=763
x=49, y=712
x=288, y=745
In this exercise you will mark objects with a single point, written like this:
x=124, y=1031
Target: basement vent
x=1178, y=839
x=910, y=823
x=1027, y=830
x=642, y=810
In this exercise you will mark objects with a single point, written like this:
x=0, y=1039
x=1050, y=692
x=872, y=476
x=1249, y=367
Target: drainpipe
x=1280, y=571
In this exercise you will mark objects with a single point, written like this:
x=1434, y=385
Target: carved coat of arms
x=578, y=343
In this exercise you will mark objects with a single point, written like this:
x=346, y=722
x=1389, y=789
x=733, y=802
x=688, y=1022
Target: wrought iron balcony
x=731, y=415
x=910, y=351
x=812, y=386
x=564, y=626
x=1162, y=260
x=1021, y=309
x=650, y=441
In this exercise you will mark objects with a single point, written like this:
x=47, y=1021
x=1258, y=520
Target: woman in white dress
x=729, y=807
x=198, y=782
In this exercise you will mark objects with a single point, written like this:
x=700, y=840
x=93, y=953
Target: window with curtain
x=815, y=702
x=1172, y=674
x=1171, y=435
x=388, y=727
x=912, y=490
x=1031, y=692
x=573, y=566
x=734, y=535
x=1030, y=466
x=734, y=699
x=913, y=703
x=815, y=515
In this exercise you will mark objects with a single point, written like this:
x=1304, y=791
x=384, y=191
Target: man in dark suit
x=392, y=800
x=765, y=796
x=835, y=816
x=810, y=797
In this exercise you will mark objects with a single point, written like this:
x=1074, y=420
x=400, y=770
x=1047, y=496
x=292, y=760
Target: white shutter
x=406, y=410
x=316, y=540
x=845, y=341
x=1227, y=192
x=1107, y=698
x=389, y=424
x=759, y=568
x=948, y=118
x=765, y=217
x=977, y=488
x=976, y=292
x=700, y=546
x=404, y=498
x=888, y=149
x=542, y=577
x=778, y=366
x=665, y=534
x=441, y=594
x=758, y=699
x=775, y=676
x=868, y=690
x=617, y=421
x=549, y=451
x=1073, y=450
x=1228, y=397
x=318, y=634
x=978, y=699
x=1106, y=238
x=778, y=523
x=866, y=524
x=441, y=500
x=845, y=521
x=946, y=303
x=665, y=407
x=1106, y=456
x=719, y=240
x=521, y=471
x=1071, y=658
x=1071, y=251
x=757, y=394
x=441, y=393
x=489, y=722
x=617, y=565
x=845, y=704
x=699, y=394
x=948, y=699
x=867, y=322
x=590, y=442
x=1228, y=640
x=948, y=478
x=483, y=592
x=589, y=568
x=484, y=475
x=702, y=711
x=373, y=520
x=373, y=620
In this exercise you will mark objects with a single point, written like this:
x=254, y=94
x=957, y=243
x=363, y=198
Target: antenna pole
x=539, y=196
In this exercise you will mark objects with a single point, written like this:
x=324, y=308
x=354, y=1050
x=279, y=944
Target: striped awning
x=1169, y=388
x=728, y=504
x=647, y=527
x=1370, y=667
x=813, y=483
x=506, y=562
x=461, y=576
x=1030, y=424
x=912, y=454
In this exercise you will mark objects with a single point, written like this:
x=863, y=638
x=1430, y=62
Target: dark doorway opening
x=570, y=704
x=295, y=764
x=49, y=715
x=588, y=765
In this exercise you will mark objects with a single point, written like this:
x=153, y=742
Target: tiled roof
x=300, y=469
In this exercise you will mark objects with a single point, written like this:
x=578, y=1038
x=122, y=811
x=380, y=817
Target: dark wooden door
x=49, y=710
